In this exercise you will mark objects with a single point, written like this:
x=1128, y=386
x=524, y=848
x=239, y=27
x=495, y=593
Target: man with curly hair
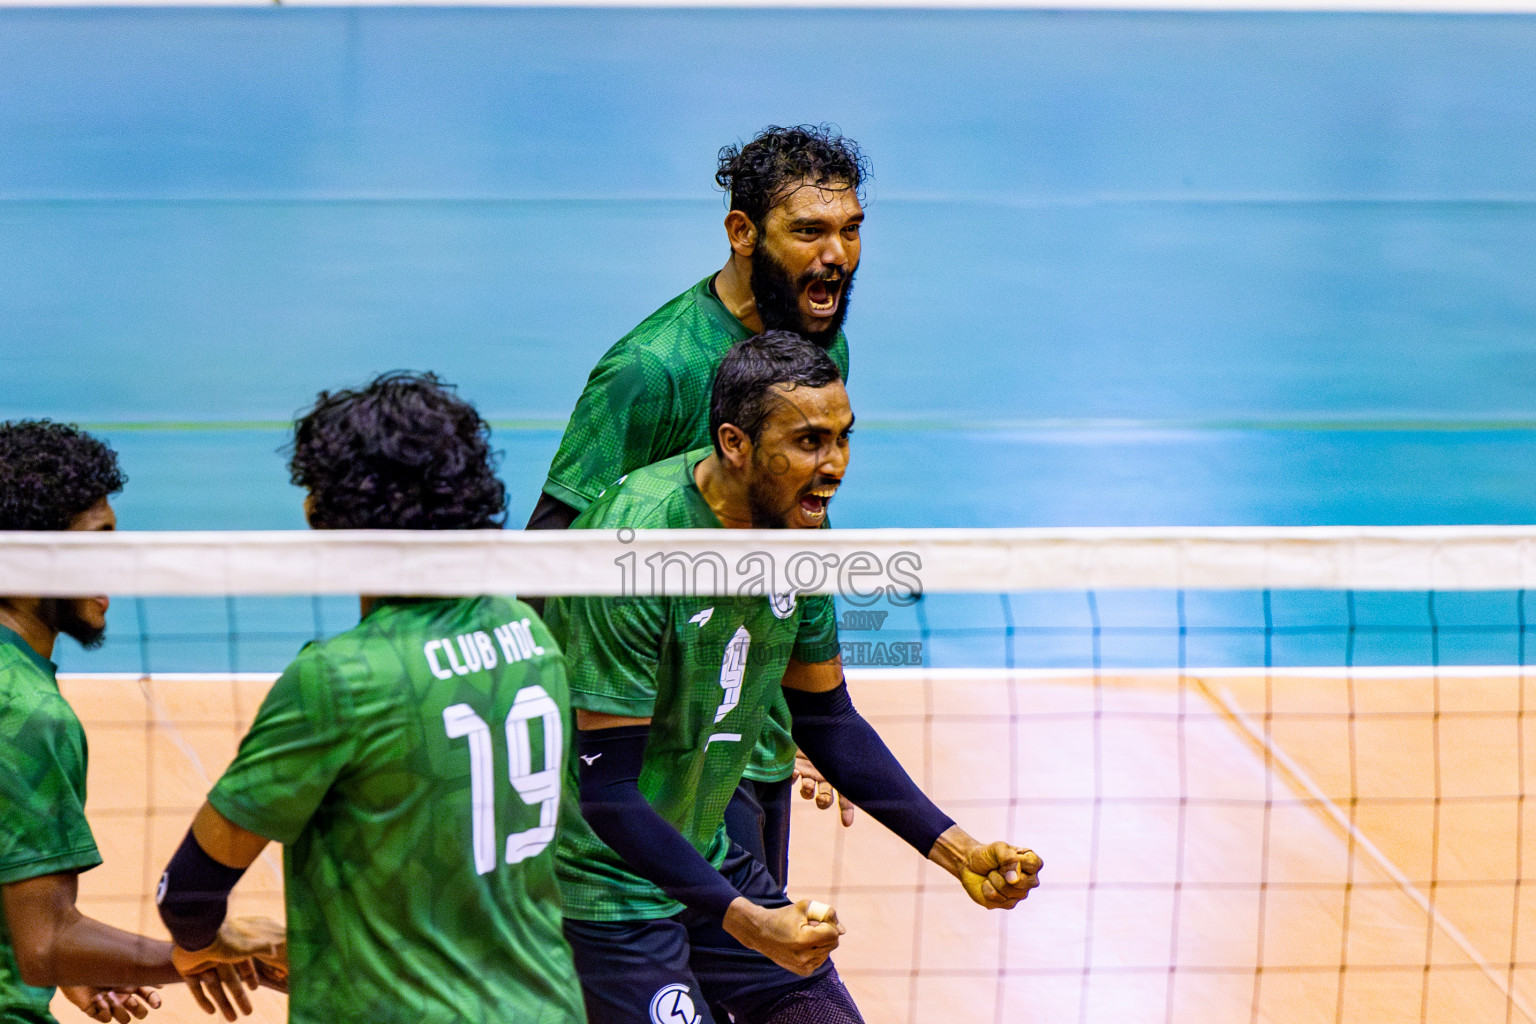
x=57, y=477
x=411, y=767
x=794, y=234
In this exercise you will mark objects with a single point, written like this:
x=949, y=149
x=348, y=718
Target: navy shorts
x=671, y=970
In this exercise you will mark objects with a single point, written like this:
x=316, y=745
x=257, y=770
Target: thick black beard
x=778, y=299
x=59, y=615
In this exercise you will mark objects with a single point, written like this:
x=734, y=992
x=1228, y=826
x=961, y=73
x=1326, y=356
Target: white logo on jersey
x=703, y=617
x=589, y=758
x=673, y=1005
x=732, y=670
x=783, y=605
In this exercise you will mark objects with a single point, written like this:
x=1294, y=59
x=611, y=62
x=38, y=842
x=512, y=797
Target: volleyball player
x=57, y=477
x=667, y=916
x=411, y=767
x=794, y=234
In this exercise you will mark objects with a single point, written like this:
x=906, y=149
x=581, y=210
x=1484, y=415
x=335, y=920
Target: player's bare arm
x=55, y=944
x=798, y=937
x=995, y=875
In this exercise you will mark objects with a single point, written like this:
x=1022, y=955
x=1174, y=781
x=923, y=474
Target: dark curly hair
x=402, y=453
x=761, y=174
x=752, y=367
x=52, y=472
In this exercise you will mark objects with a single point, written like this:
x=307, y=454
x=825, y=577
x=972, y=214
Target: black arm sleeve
x=613, y=805
x=194, y=895
x=853, y=757
x=551, y=514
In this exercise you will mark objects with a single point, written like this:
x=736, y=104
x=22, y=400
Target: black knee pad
x=823, y=1001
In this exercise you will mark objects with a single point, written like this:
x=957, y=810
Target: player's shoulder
x=33, y=712
x=681, y=325
x=652, y=497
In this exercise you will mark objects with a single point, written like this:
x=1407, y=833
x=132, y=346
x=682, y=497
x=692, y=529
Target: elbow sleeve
x=194, y=895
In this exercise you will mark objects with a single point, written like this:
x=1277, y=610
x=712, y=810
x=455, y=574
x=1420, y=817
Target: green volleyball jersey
x=411, y=768
x=705, y=670
x=647, y=400
x=42, y=800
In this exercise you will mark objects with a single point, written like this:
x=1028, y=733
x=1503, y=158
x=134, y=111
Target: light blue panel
x=1187, y=477
x=1091, y=215
x=603, y=103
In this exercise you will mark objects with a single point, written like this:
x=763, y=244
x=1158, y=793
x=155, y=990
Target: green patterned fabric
x=647, y=400
x=705, y=670
x=412, y=768
x=43, y=830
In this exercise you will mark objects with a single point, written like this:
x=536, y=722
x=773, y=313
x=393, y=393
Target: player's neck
x=20, y=616
x=733, y=285
x=723, y=493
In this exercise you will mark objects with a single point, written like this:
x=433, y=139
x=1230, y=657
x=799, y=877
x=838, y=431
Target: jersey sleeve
x=302, y=739
x=623, y=420
x=43, y=829
x=816, y=639
x=614, y=650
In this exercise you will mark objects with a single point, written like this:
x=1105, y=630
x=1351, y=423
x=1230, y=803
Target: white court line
x=1229, y=704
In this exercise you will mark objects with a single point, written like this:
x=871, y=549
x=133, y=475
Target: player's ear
x=741, y=232
x=735, y=446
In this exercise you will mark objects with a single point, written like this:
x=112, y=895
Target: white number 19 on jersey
x=540, y=787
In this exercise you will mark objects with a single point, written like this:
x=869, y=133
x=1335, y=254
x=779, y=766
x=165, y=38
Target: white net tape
x=768, y=561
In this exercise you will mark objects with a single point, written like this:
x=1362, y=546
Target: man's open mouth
x=823, y=296
x=814, y=502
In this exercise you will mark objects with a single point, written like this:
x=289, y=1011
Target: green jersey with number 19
x=411, y=768
x=705, y=670
x=647, y=400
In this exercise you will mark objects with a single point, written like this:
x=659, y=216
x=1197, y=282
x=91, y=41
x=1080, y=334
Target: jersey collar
x=691, y=462
x=10, y=636
x=709, y=302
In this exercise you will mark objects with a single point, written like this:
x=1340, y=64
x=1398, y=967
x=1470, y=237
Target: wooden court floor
x=1222, y=846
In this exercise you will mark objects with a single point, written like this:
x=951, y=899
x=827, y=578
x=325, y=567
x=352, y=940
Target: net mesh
x=1257, y=798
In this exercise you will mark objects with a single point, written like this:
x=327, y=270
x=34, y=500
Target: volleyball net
x=1274, y=774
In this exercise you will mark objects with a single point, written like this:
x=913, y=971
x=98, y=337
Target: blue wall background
x=1119, y=268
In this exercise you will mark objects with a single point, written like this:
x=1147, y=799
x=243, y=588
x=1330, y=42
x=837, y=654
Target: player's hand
x=999, y=875
x=113, y=1004
x=798, y=938
x=248, y=952
x=813, y=786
